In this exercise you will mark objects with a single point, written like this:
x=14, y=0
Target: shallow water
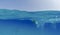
x=27, y=27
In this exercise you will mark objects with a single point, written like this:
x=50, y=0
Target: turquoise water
x=15, y=22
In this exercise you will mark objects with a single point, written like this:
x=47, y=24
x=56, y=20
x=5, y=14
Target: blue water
x=18, y=27
x=10, y=23
x=27, y=27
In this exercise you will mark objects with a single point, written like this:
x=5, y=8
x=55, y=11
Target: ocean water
x=15, y=22
x=18, y=27
x=27, y=27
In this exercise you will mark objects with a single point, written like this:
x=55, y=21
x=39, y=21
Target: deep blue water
x=27, y=27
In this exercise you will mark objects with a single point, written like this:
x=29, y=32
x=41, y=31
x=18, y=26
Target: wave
x=39, y=17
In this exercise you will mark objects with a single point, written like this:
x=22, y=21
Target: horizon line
x=35, y=10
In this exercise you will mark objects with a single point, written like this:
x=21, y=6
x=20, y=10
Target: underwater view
x=15, y=22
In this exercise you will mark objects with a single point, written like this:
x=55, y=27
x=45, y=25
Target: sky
x=30, y=5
